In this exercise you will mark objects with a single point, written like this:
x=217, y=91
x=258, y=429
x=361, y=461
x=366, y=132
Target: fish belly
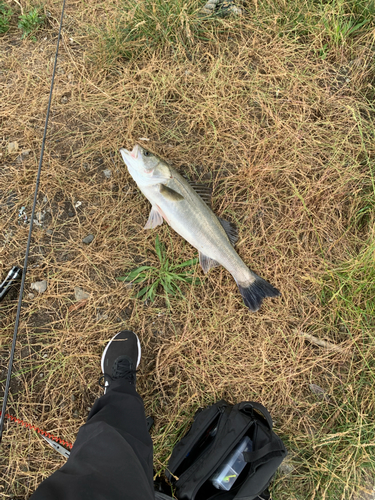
x=200, y=227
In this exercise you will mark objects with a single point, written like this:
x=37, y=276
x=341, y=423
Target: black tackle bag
x=215, y=435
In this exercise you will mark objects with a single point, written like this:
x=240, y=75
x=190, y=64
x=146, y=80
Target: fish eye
x=147, y=153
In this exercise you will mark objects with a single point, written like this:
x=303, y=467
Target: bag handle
x=253, y=456
x=257, y=406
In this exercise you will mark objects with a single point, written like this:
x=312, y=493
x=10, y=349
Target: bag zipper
x=218, y=462
x=220, y=409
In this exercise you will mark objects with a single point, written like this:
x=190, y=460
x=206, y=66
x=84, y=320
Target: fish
x=186, y=207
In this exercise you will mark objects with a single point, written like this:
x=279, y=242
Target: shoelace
x=120, y=371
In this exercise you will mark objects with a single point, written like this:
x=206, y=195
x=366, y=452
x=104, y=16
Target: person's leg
x=112, y=455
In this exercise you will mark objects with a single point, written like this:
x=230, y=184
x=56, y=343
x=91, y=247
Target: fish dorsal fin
x=230, y=229
x=170, y=194
x=202, y=190
x=154, y=219
x=206, y=262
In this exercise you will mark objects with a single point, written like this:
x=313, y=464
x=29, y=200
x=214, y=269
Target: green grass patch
x=323, y=24
x=167, y=276
x=350, y=291
x=5, y=16
x=31, y=22
x=144, y=27
x=342, y=453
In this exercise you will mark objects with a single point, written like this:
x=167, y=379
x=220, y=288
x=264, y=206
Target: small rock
x=45, y=356
x=45, y=199
x=41, y=375
x=23, y=155
x=222, y=7
x=236, y=10
x=30, y=296
x=12, y=147
x=71, y=214
x=49, y=232
x=39, y=286
x=75, y=414
x=107, y=173
x=318, y=391
x=72, y=397
x=101, y=316
x=88, y=239
x=81, y=294
x=8, y=236
x=64, y=100
x=286, y=468
x=40, y=217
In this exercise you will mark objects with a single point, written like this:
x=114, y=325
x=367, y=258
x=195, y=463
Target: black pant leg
x=112, y=456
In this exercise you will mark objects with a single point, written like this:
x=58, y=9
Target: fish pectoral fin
x=154, y=219
x=170, y=194
x=206, y=262
x=231, y=230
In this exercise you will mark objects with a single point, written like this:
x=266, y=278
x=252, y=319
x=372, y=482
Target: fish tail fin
x=258, y=290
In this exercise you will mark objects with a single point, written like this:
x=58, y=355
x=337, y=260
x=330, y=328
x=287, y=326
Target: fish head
x=143, y=162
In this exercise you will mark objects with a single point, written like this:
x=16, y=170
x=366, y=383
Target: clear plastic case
x=228, y=472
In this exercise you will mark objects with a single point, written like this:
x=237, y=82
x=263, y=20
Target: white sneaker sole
x=106, y=348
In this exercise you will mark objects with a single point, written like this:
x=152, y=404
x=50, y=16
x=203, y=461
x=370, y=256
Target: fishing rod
x=11, y=359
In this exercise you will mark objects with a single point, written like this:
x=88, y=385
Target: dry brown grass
x=283, y=139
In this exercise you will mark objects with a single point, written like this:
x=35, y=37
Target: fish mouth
x=133, y=159
x=133, y=154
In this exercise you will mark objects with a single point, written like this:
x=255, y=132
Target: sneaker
x=121, y=358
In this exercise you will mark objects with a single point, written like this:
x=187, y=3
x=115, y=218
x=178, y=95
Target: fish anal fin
x=154, y=219
x=206, y=262
x=230, y=229
x=170, y=194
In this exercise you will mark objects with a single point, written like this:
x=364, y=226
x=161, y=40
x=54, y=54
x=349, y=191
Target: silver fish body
x=175, y=200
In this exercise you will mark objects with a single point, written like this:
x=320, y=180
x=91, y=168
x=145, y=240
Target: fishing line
x=10, y=366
